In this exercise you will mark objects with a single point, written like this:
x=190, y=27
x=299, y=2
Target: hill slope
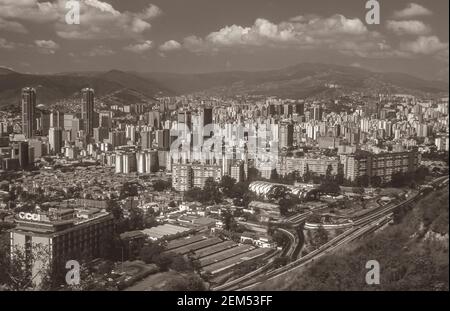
x=300, y=81
x=413, y=255
x=51, y=88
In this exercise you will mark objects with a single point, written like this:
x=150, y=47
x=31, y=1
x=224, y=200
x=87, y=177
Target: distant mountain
x=303, y=80
x=300, y=81
x=51, y=88
x=146, y=86
x=5, y=71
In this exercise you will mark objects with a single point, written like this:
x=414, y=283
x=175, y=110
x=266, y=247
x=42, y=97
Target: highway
x=362, y=227
x=293, y=241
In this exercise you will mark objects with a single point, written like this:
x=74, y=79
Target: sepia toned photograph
x=246, y=146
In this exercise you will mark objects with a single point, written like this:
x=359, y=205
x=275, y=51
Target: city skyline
x=311, y=155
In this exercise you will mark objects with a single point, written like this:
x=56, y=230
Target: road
x=293, y=241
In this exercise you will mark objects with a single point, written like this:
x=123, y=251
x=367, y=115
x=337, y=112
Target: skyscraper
x=22, y=151
x=146, y=139
x=184, y=117
x=300, y=109
x=207, y=114
x=55, y=140
x=163, y=139
x=87, y=110
x=154, y=119
x=57, y=119
x=317, y=113
x=28, y=106
x=286, y=137
x=207, y=119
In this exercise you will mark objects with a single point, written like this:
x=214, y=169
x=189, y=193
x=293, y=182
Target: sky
x=189, y=36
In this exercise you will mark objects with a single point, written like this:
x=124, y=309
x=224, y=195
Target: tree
x=285, y=204
x=253, y=174
x=307, y=176
x=328, y=174
x=150, y=221
x=280, y=261
x=163, y=261
x=362, y=181
x=274, y=175
x=111, y=246
x=247, y=199
x=136, y=219
x=376, y=181
x=322, y=236
x=229, y=221
x=340, y=178
x=114, y=209
x=189, y=282
x=280, y=238
x=181, y=263
x=239, y=190
x=129, y=189
x=421, y=173
x=194, y=195
x=226, y=184
x=150, y=252
x=161, y=185
x=15, y=267
x=329, y=186
x=211, y=190
x=210, y=193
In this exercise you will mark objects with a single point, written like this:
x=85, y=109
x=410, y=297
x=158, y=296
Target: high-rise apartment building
x=364, y=163
x=286, y=136
x=57, y=119
x=28, y=110
x=55, y=140
x=87, y=110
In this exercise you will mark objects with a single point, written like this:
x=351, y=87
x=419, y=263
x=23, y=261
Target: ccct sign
x=29, y=216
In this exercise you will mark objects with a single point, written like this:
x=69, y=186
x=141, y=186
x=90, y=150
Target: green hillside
x=413, y=255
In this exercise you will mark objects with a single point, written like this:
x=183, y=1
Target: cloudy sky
x=217, y=35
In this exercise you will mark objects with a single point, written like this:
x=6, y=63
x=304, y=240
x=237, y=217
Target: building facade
x=62, y=234
x=363, y=163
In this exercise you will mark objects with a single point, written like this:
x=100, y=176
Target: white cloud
x=411, y=27
x=100, y=51
x=140, y=47
x=46, y=46
x=105, y=22
x=98, y=19
x=7, y=45
x=12, y=26
x=30, y=10
x=170, y=45
x=102, y=6
x=337, y=32
x=412, y=10
x=425, y=45
x=150, y=12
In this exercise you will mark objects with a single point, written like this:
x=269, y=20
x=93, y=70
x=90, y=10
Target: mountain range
x=299, y=81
